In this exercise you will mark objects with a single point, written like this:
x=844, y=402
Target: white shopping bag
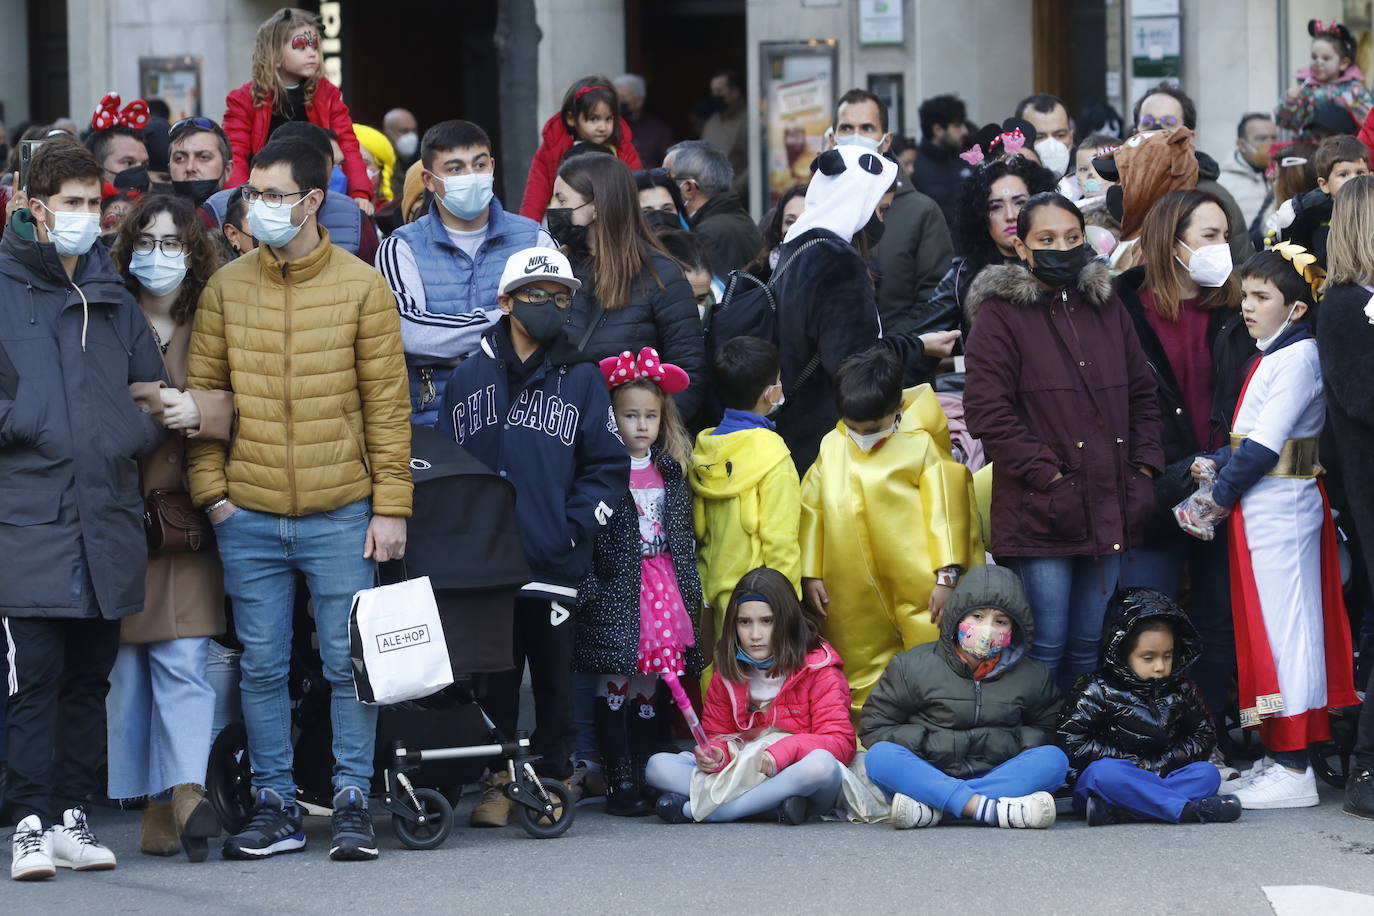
x=397, y=643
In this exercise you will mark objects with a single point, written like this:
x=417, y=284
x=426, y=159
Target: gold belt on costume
x=1298, y=458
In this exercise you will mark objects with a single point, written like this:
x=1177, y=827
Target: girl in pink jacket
x=776, y=713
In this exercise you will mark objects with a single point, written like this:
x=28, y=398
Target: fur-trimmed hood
x=1016, y=284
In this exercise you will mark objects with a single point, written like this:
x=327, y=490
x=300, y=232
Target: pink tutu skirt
x=665, y=629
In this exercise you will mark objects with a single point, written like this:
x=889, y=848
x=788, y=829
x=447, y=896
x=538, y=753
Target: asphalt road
x=614, y=865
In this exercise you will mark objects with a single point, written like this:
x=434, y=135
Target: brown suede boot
x=158, y=833
x=195, y=820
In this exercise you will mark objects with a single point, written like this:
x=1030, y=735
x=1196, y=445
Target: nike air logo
x=540, y=263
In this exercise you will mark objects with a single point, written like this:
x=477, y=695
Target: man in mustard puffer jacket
x=315, y=479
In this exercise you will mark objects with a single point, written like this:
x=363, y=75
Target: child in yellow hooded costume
x=885, y=512
x=748, y=497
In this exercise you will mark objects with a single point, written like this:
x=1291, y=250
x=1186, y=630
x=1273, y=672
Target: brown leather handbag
x=174, y=524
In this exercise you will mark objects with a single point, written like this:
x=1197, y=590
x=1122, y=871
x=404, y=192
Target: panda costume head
x=846, y=185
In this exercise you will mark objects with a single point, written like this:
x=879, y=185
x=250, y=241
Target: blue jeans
x=1068, y=598
x=1209, y=604
x=895, y=769
x=1142, y=793
x=816, y=777
x=261, y=553
x=222, y=671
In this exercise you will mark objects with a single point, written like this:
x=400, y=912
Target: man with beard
x=200, y=160
x=939, y=170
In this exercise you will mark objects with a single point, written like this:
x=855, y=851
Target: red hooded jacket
x=549, y=156
x=813, y=706
x=247, y=127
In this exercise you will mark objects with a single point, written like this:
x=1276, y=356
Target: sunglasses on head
x=303, y=40
x=197, y=122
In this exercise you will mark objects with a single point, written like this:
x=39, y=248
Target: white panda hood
x=846, y=185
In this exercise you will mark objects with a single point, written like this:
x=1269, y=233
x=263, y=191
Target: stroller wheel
x=1331, y=763
x=229, y=778
x=437, y=822
x=541, y=822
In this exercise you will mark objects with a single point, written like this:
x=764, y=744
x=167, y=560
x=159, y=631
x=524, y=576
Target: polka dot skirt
x=665, y=629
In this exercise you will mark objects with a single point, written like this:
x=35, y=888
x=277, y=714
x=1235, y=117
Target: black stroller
x=463, y=536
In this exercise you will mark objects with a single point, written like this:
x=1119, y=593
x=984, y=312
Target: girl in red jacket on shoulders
x=776, y=713
x=287, y=86
x=590, y=114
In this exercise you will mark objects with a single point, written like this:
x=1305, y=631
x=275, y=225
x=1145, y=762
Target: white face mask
x=858, y=139
x=272, y=226
x=867, y=442
x=72, y=234
x=158, y=272
x=1054, y=155
x=1211, y=264
x=467, y=196
x=407, y=144
x=1264, y=344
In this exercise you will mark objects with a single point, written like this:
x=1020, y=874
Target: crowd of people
x=980, y=471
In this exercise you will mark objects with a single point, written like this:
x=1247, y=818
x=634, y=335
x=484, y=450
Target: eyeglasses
x=1150, y=122
x=304, y=40
x=146, y=243
x=537, y=296
x=273, y=199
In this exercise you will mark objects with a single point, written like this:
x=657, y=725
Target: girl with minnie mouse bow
x=1333, y=76
x=639, y=603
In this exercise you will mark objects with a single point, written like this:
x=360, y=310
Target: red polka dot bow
x=108, y=114
x=625, y=368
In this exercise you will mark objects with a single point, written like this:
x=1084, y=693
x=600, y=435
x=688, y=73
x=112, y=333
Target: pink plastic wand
x=688, y=713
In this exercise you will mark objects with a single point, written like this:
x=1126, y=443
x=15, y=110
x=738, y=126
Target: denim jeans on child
x=1161, y=566
x=1068, y=598
x=815, y=777
x=895, y=769
x=261, y=553
x=1158, y=798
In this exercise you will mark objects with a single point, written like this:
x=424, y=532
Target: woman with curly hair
x=984, y=232
x=161, y=704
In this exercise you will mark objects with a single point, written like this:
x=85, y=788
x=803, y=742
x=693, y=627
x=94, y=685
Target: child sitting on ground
x=888, y=520
x=1306, y=218
x=776, y=716
x=963, y=727
x=1136, y=731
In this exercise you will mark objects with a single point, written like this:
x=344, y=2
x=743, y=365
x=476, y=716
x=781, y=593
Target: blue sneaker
x=353, y=837
x=273, y=828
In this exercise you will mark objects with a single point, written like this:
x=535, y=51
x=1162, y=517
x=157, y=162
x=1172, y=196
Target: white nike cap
x=538, y=264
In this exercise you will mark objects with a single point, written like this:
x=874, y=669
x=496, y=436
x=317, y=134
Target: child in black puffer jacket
x=1137, y=733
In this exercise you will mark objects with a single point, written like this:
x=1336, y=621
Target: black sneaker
x=792, y=811
x=1101, y=814
x=1215, y=809
x=272, y=828
x=1359, y=795
x=353, y=837
x=669, y=808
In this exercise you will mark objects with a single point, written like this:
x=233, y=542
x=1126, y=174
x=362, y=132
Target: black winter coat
x=731, y=237
x=71, y=511
x=663, y=318
x=912, y=257
x=1232, y=351
x=928, y=702
x=826, y=307
x=1159, y=725
x=939, y=174
x=607, y=634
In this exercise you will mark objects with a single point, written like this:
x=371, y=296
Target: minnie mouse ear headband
x=626, y=368
x=994, y=141
x=1334, y=30
x=108, y=114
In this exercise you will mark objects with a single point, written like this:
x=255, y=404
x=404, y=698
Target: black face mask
x=715, y=104
x=1060, y=268
x=561, y=227
x=197, y=191
x=662, y=219
x=134, y=179
x=874, y=229
x=542, y=322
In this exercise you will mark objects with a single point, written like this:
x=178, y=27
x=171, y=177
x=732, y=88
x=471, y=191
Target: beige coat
x=185, y=591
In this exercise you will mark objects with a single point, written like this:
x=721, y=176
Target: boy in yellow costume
x=888, y=520
x=748, y=497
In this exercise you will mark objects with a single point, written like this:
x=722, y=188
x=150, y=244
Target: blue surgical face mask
x=159, y=273
x=72, y=234
x=753, y=662
x=1091, y=186
x=858, y=139
x=467, y=196
x=338, y=181
x=272, y=226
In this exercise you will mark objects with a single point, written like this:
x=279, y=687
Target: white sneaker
x=1035, y=811
x=907, y=812
x=1246, y=777
x=1224, y=769
x=1279, y=787
x=31, y=851
x=75, y=847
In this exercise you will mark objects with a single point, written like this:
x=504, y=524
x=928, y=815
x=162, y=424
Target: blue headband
x=752, y=596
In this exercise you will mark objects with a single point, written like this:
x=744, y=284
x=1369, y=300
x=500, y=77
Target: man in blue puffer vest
x=445, y=267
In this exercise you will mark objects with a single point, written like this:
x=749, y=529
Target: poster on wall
x=798, y=90
x=175, y=80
